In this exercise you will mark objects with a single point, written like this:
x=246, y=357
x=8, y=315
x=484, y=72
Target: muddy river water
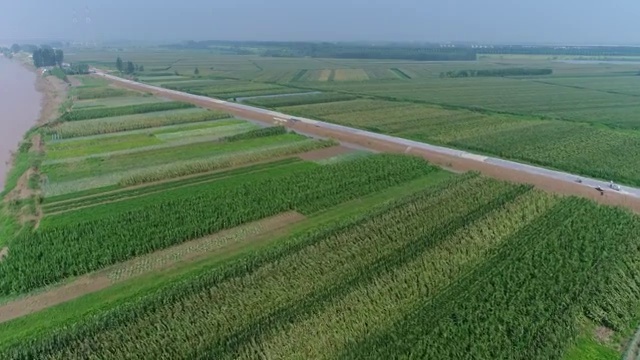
x=19, y=108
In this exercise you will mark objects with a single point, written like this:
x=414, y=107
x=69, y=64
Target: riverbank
x=26, y=100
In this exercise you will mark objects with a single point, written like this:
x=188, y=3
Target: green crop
x=72, y=248
x=86, y=114
x=133, y=122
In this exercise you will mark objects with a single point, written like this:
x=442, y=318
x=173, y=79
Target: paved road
x=524, y=168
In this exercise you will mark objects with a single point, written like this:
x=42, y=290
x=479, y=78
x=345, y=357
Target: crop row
x=375, y=305
x=53, y=253
x=525, y=302
x=87, y=114
x=238, y=156
x=526, y=97
x=470, y=268
x=573, y=147
x=75, y=200
x=257, y=133
x=89, y=93
x=339, y=107
x=132, y=122
x=301, y=99
x=77, y=149
x=286, y=284
x=92, y=167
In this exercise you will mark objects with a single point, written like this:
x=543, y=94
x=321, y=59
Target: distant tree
x=44, y=56
x=119, y=64
x=196, y=72
x=130, y=67
x=141, y=68
x=59, y=56
x=15, y=48
x=37, y=58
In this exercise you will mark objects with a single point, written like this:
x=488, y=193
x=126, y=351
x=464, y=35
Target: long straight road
x=321, y=128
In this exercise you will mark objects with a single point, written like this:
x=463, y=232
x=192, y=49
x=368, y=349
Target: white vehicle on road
x=614, y=186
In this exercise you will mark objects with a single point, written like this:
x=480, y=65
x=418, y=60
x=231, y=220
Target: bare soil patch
x=325, y=153
x=4, y=252
x=54, y=93
x=449, y=162
x=31, y=304
x=21, y=191
x=603, y=334
x=223, y=242
x=74, y=81
x=37, y=144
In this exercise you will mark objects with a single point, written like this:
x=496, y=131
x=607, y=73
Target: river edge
x=53, y=92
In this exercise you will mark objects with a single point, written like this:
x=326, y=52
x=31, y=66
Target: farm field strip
x=91, y=167
x=377, y=305
x=559, y=177
x=115, y=101
x=225, y=161
x=142, y=143
x=515, y=279
x=227, y=241
x=350, y=75
x=87, y=114
x=150, y=227
x=73, y=311
x=517, y=96
x=127, y=193
x=147, y=131
x=116, y=124
x=194, y=249
x=92, y=93
x=161, y=78
x=179, y=168
x=275, y=286
x=302, y=99
x=554, y=144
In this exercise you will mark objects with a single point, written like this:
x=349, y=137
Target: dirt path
x=446, y=161
x=224, y=242
x=54, y=93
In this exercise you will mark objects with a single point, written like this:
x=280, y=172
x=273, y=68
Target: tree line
x=128, y=67
x=47, y=56
x=496, y=73
x=404, y=51
x=563, y=50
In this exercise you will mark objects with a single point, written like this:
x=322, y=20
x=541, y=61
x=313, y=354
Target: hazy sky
x=501, y=21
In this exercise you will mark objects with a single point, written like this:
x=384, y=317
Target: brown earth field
x=446, y=161
x=222, y=243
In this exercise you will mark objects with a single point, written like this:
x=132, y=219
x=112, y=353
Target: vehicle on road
x=614, y=186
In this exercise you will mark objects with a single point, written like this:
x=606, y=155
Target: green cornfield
x=86, y=114
x=469, y=268
x=76, y=243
